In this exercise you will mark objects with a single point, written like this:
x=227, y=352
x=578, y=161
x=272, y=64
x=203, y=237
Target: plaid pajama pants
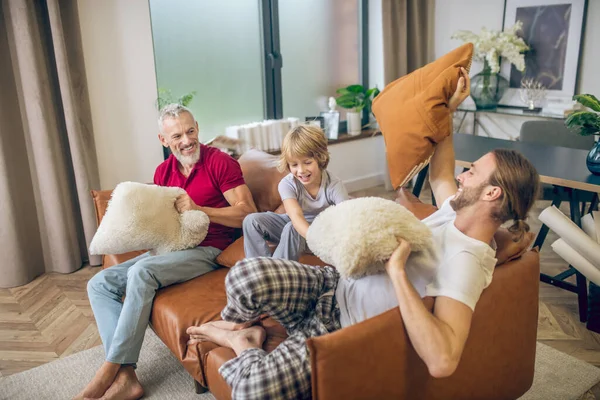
x=299, y=297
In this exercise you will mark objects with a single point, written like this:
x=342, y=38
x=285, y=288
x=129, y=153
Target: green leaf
x=584, y=123
x=347, y=101
x=588, y=100
x=342, y=91
x=355, y=89
x=186, y=99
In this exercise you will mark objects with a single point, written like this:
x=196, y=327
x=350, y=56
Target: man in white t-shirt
x=311, y=301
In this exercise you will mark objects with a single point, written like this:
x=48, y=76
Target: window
x=249, y=60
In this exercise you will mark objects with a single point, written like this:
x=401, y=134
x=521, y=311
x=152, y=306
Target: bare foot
x=125, y=387
x=101, y=381
x=239, y=340
x=228, y=326
x=232, y=326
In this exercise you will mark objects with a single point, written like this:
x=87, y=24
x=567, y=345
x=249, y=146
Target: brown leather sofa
x=373, y=359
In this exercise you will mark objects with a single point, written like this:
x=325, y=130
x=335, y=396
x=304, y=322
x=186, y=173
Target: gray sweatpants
x=269, y=226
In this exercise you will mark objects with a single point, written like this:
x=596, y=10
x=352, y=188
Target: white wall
x=119, y=61
x=453, y=15
x=360, y=164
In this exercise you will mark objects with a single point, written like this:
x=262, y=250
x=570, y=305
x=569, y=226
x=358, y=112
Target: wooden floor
x=50, y=317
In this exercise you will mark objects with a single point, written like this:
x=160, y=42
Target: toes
x=192, y=330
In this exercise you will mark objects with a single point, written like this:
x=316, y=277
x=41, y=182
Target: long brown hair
x=520, y=182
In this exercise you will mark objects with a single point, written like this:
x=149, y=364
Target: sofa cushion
x=141, y=216
x=235, y=252
x=413, y=113
x=358, y=236
x=101, y=199
x=190, y=303
x=262, y=177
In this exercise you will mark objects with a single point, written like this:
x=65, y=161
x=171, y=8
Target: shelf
x=344, y=138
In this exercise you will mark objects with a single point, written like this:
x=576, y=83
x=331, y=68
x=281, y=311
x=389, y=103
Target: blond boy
x=307, y=190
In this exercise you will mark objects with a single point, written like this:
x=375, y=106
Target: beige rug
x=557, y=376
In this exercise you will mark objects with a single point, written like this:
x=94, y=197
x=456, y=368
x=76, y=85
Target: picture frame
x=554, y=31
x=316, y=121
x=332, y=124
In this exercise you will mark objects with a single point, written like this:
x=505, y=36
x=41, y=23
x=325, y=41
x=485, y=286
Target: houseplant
x=166, y=97
x=587, y=123
x=488, y=86
x=355, y=98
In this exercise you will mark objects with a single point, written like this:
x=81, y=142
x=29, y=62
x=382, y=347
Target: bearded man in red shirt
x=214, y=184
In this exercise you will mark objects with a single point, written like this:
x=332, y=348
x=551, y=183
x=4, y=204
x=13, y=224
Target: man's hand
x=463, y=90
x=185, y=203
x=397, y=261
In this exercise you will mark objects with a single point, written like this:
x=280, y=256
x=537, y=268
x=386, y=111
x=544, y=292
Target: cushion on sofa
x=101, y=199
x=235, y=252
x=413, y=113
x=141, y=216
x=359, y=235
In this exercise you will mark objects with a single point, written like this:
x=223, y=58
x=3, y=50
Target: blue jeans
x=122, y=323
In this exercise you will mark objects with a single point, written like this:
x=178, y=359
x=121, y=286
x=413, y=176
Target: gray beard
x=188, y=160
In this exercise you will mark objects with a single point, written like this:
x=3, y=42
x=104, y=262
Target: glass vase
x=593, y=159
x=487, y=87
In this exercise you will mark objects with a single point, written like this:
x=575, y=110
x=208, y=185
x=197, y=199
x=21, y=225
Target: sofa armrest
x=375, y=359
x=377, y=348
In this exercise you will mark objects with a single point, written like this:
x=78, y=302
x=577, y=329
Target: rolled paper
x=578, y=262
x=588, y=226
x=572, y=234
x=596, y=215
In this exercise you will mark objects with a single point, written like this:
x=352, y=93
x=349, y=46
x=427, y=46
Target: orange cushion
x=413, y=113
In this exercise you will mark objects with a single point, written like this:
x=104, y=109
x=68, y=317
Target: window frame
x=273, y=58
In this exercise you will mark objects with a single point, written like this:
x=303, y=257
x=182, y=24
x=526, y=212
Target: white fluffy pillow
x=357, y=236
x=141, y=217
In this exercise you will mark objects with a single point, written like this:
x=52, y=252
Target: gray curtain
x=47, y=154
x=408, y=36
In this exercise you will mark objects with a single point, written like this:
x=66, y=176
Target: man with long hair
x=311, y=301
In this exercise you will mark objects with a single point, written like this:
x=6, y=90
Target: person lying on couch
x=311, y=301
x=214, y=184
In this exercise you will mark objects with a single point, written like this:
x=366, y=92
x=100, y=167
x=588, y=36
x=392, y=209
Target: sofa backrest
x=262, y=177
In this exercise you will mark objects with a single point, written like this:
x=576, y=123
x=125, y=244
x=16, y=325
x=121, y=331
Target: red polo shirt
x=214, y=174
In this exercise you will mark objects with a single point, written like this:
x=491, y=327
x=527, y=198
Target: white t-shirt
x=458, y=267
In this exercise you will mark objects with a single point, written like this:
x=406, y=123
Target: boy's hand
x=397, y=261
x=463, y=90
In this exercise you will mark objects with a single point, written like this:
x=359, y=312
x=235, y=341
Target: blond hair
x=304, y=141
x=520, y=182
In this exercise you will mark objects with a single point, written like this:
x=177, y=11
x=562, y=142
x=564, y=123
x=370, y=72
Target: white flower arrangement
x=489, y=45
